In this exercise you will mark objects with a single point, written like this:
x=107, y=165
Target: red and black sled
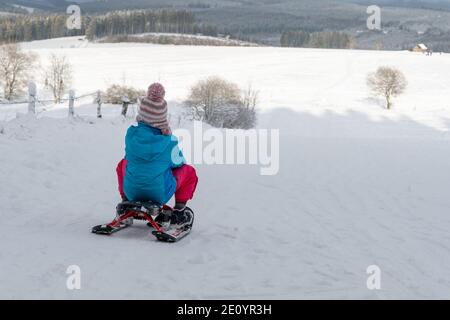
x=129, y=211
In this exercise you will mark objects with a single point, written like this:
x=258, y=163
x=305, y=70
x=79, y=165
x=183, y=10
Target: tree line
x=142, y=21
x=322, y=39
x=16, y=28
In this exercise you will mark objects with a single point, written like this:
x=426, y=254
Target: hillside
x=357, y=185
x=404, y=23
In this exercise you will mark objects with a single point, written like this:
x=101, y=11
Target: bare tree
x=16, y=68
x=250, y=98
x=387, y=82
x=58, y=76
x=247, y=115
x=221, y=104
x=115, y=93
x=209, y=95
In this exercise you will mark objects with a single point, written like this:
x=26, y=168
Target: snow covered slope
x=298, y=79
x=357, y=185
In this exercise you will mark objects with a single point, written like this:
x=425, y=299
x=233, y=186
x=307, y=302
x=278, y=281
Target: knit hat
x=156, y=92
x=153, y=109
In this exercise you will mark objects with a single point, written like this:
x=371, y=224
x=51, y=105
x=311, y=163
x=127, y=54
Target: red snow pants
x=185, y=176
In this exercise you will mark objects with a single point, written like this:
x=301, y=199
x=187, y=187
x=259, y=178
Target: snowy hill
x=357, y=185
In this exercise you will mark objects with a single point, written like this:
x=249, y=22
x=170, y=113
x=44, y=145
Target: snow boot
x=163, y=219
x=182, y=216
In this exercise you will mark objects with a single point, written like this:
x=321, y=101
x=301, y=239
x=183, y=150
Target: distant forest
x=16, y=28
x=287, y=23
x=325, y=39
x=142, y=21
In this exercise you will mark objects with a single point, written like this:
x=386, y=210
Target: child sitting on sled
x=154, y=168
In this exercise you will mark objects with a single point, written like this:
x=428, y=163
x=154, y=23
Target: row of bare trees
x=18, y=67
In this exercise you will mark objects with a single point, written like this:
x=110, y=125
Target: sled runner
x=128, y=211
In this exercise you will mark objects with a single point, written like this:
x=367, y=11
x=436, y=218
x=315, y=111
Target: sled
x=128, y=211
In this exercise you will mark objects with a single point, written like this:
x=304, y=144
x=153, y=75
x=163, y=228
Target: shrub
x=222, y=104
x=115, y=93
x=387, y=82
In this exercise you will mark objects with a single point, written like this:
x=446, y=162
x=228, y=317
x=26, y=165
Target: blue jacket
x=150, y=156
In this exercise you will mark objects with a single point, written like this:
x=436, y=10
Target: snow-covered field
x=357, y=185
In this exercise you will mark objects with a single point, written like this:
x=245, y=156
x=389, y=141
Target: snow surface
x=357, y=186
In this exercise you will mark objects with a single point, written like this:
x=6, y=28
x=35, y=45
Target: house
x=420, y=48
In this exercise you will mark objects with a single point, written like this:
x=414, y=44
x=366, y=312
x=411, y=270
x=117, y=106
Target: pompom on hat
x=156, y=92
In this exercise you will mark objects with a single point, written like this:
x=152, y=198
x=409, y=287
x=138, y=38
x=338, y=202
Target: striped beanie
x=153, y=109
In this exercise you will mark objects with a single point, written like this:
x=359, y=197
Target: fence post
x=125, y=103
x=71, y=103
x=32, y=97
x=99, y=104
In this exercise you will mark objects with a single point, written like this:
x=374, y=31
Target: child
x=149, y=171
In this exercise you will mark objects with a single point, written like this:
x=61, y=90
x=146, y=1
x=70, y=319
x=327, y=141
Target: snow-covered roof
x=422, y=46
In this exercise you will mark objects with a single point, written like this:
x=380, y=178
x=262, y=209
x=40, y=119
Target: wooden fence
x=98, y=99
